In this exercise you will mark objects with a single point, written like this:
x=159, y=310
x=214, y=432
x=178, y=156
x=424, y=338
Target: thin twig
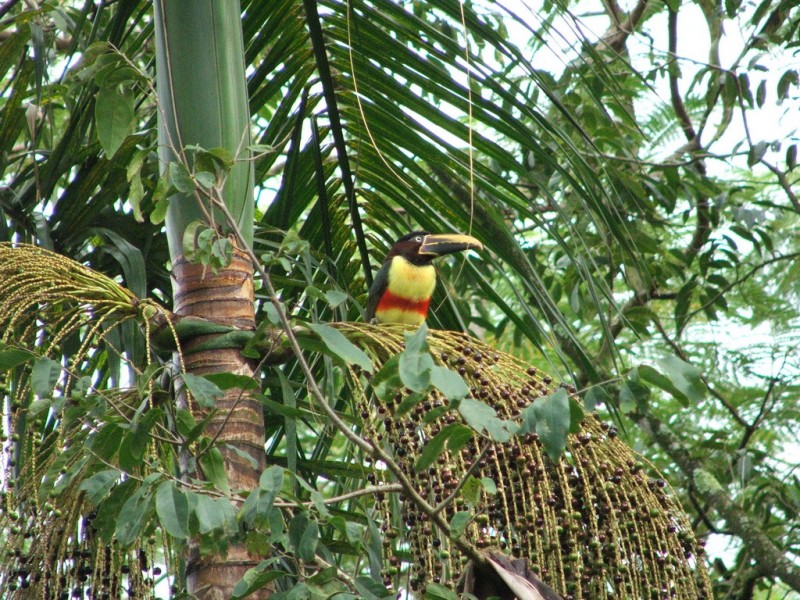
x=370, y=489
x=472, y=468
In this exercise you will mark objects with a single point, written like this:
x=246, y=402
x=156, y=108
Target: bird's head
x=421, y=247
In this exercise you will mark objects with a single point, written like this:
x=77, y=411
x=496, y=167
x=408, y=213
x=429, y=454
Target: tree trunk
x=202, y=96
x=224, y=297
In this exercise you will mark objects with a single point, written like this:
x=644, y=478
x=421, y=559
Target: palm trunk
x=203, y=102
x=224, y=297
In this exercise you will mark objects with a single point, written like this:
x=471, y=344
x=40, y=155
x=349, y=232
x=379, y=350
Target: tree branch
x=616, y=36
x=766, y=554
x=703, y=225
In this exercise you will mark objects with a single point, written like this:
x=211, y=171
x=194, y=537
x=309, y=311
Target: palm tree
x=364, y=121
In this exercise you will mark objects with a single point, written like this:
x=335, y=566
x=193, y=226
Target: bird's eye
x=418, y=239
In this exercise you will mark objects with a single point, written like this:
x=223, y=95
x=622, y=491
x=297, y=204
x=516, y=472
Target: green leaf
x=435, y=591
x=576, y=414
x=227, y=381
x=277, y=528
x=218, y=158
x=189, y=240
x=135, y=513
x=258, y=505
x=458, y=524
x=435, y=446
x=109, y=510
x=627, y=397
x=205, y=179
x=188, y=427
x=11, y=357
x=654, y=376
x=411, y=400
x=271, y=480
x=255, y=579
x=307, y=548
x=213, y=466
x=204, y=391
x=685, y=377
x=476, y=413
x=214, y=514
x=482, y=417
x=222, y=252
x=160, y=201
x=386, y=381
x=756, y=153
x=304, y=535
x=44, y=376
x=180, y=178
x=489, y=485
x=472, y=490
x=416, y=363
x=340, y=346
x=172, y=508
x=549, y=416
x=106, y=442
x=450, y=383
x=595, y=396
x=99, y=485
x=136, y=189
x=243, y=454
x=369, y=589
x=335, y=298
x=137, y=439
x=37, y=406
x=113, y=114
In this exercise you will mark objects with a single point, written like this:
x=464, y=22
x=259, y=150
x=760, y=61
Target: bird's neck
x=408, y=293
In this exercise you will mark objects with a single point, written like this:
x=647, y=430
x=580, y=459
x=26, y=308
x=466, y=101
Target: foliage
x=106, y=469
x=638, y=217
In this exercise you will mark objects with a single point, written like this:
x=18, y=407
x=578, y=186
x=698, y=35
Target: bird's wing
x=379, y=284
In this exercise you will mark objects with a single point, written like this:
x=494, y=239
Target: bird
x=403, y=286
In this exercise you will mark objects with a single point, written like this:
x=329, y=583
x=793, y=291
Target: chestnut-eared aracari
x=402, y=290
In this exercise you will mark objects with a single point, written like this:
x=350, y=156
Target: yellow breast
x=411, y=281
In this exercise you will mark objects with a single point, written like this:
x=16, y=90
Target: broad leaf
x=482, y=417
x=416, y=362
x=549, y=416
x=99, y=485
x=135, y=513
x=449, y=383
x=203, y=390
x=686, y=379
x=113, y=113
x=44, y=376
x=214, y=514
x=341, y=347
x=11, y=357
x=458, y=524
x=256, y=578
x=172, y=508
x=454, y=435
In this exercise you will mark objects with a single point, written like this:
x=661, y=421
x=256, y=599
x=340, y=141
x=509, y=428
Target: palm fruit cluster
x=49, y=531
x=597, y=524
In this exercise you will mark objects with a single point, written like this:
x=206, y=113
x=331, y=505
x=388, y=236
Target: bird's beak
x=439, y=244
